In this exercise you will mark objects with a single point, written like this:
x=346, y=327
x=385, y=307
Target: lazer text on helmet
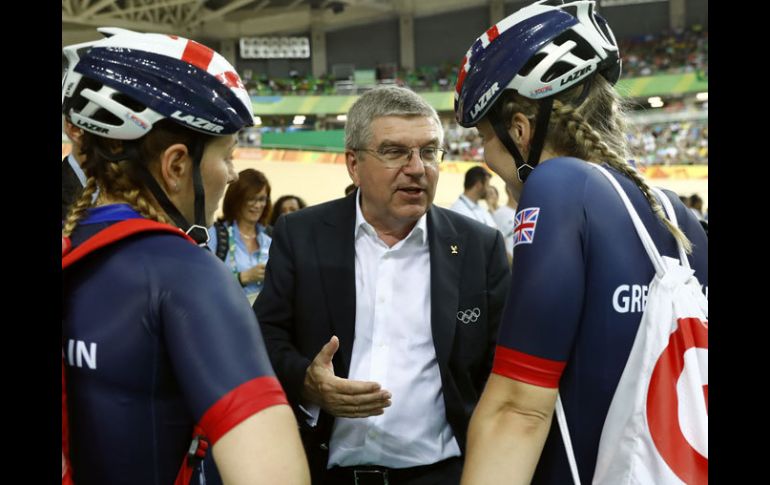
x=576, y=75
x=197, y=122
x=92, y=127
x=484, y=100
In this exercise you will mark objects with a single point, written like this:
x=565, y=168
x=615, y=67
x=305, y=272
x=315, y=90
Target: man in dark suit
x=380, y=311
x=72, y=177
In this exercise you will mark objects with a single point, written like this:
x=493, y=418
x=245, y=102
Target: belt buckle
x=366, y=476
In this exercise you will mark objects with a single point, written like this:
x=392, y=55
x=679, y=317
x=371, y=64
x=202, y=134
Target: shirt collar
x=469, y=201
x=420, y=230
x=260, y=231
x=76, y=168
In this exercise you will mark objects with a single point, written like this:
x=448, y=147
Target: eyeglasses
x=262, y=199
x=400, y=156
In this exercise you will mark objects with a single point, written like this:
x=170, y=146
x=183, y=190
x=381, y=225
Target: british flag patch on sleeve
x=524, y=225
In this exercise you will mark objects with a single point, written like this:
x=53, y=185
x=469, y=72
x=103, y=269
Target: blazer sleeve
x=274, y=309
x=498, y=279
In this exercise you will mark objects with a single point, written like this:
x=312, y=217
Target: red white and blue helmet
x=139, y=79
x=538, y=51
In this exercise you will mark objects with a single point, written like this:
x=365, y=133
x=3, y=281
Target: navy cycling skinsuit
x=157, y=337
x=580, y=276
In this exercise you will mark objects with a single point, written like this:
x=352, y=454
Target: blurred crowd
x=674, y=143
x=673, y=52
x=671, y=143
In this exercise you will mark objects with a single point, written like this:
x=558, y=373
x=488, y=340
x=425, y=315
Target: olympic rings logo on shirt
x=469, y=315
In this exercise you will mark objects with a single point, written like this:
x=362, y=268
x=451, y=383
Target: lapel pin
x=453, y=248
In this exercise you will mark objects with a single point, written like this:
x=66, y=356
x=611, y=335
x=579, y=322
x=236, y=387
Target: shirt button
x=381, y=299
x=372, y=433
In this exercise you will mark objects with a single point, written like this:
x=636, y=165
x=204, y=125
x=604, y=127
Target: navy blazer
x=310, y=295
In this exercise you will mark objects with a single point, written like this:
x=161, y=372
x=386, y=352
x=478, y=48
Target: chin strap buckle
x=523, y=172
x=199, y=234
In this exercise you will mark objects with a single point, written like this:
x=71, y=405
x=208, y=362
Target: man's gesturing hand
x=342, y=398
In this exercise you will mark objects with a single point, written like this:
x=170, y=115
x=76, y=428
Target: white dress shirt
x=394, y=346
x=468, y=208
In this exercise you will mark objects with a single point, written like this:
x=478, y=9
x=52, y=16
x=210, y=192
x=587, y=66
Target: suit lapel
x=446, y=255
x=336, y=256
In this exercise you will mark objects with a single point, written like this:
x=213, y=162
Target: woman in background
x=239, y=237
x=284, y=205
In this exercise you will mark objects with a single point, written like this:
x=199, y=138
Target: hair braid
x=121, y=186
x=591, y=148
x=78, y=209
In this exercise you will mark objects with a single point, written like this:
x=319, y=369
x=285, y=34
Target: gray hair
x=384, y=101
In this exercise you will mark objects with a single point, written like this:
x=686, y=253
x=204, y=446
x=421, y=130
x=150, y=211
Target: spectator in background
x=492, y=199
x=476, y=185
x=696, y=206
x=504, y=218
x=239, y=237
x=285, y=205
x=681, y=51
x=671, y=143
x=72, y=177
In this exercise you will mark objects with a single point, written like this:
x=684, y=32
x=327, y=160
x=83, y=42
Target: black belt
x=380, y=475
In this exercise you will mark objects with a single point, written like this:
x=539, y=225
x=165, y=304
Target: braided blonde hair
x=593, y=131
x=120, y=180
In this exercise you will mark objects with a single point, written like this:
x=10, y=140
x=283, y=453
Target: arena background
x=302, y=88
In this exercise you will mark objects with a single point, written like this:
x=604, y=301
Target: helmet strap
x=196, y=231
x=523, y=169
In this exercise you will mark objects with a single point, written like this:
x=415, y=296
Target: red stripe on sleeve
x=197, y=54
x=239, y=404
x=527, y=368
x=492, y=33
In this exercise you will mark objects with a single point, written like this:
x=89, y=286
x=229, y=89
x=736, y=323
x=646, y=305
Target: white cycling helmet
x=538, y=51
x=120, y=86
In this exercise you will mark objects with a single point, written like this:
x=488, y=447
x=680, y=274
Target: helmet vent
x=129, y=102
x=78, y=102
x=558, y=69
x=534, y=61
x=106, y=117
x=582, y=48
x=601, y=24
